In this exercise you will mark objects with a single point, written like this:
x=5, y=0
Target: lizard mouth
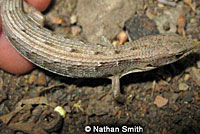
x=175, y=57
x=183, y=53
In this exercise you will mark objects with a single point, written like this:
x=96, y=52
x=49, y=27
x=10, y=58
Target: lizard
x=81, y=59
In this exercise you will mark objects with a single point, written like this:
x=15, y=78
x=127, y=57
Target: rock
x=195, y=74
x=186, y=77
x=33, y=77
x=41, y=80
x=104, y=17
x=75, y=30
x=170, y=16
x=187, y=97
x=183, y=86
x=139, y=26
x=1, y=84
x=73, y=19
x=160, y=101
x=198, y=64
x=173, y=98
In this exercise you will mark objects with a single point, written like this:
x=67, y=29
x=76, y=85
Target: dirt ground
x=165, y=100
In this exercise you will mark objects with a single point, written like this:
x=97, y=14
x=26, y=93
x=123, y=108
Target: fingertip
x=10, y=60
x=0, y=24
x=41, y=5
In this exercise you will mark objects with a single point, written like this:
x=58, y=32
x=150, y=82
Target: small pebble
x=169, y=79
x=41, y=80
x=122, y=37
x=166, y=2
x=67, y=109
x=198, y=64
x=183, y=86
x=166, y=26
x=187, y=97
x=149, y=15
x=160, y=101
x=115, y=43
x=57, y=20
x=75, y=30
x=160, y=5
x=33, y=77
x=1, y=83
x=73, y=19
x=195, y=75
x=186, y=77
x=193, y=20
x=173, y=98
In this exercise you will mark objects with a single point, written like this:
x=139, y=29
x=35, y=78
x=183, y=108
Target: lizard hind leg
x=34, y=14
x=117, y=95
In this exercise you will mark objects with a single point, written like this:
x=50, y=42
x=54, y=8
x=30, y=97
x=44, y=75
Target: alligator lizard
x=75, y=58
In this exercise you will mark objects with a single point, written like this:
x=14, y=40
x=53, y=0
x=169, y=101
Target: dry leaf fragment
x=181, y=22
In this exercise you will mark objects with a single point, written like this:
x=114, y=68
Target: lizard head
x=176, y=48
x=163, y=50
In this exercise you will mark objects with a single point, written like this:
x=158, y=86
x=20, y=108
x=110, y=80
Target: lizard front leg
x=118, y=97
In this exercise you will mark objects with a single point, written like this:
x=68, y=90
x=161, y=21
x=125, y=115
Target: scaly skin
x=74, y=58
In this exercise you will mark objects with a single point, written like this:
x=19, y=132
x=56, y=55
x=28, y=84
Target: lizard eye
x=179, y=55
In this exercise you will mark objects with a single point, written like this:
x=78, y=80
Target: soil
x=162, y=101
